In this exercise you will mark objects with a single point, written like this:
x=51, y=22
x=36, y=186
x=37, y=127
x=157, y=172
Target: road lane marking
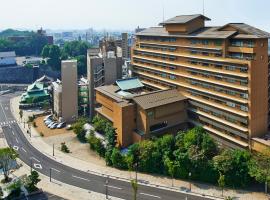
x=55, y=170
x=150, y=195
x=24, y=150
x=17, y=140
x=13, y=133
x=81, y=178
x=3, y=111
x=110, y=186
x=16, y=148
x=37, y=166
x=35, y=159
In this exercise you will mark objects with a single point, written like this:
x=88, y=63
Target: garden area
x=190, y=155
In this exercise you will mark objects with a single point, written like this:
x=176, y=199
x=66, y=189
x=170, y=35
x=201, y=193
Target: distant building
x=36, y=94
x=124, y=45
x=101, y=71
x=40, y=32
x=138, y=114
x=7, y=58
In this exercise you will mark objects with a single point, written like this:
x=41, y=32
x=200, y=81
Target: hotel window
x=230, y=92
x=244, y=95
x=231, y=68
x=243, y=69
x=237, y=43
x=205, y=53
x=193, y=41
x=231, y=104
x=172, y=77
x=218, y=66
x=218, y=42
x=230, y=80
x=244, y=108
x=205, y=64
x=205, y=42
x=193, y=52
x=250, y=43
x=243, y=82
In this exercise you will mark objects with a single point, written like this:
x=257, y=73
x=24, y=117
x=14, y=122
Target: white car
x=61, y=125
x=54, y=126
x=47, y=117
x=50, y=124
x=48, y=121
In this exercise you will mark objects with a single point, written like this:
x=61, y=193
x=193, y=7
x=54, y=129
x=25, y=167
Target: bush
x=35, y=124
x=31, y=118
x=41, y=134
x=64, y=148
x=99, y=124
x=118, y=160
x=96, y=145
x=31, y=182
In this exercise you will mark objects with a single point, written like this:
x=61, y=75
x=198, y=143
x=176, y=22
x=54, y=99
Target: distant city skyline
x=126, y=14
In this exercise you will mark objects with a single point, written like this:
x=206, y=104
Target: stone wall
x=23, y=75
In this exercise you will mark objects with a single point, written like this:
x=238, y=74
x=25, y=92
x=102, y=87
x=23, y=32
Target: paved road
x=66, y=174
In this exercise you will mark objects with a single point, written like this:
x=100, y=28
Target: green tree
x=78, y=128
x=64, y=148
x=234, y=165
x=221, y=182
x=31, y=181
x=118, y=159
x=81, y=65
x=7, y=156
x=110, y=135
x=170, y=168
x=45, y=51
x=15, y=190
x=259, y=168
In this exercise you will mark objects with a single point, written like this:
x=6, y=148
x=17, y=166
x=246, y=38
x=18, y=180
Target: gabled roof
x=35, y=86
x=129, y=84
x=247, y=30
x=183, y=19
x=44, y=79
x=158, y=98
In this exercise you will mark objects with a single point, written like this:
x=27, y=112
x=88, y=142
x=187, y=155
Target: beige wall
x=69, y=90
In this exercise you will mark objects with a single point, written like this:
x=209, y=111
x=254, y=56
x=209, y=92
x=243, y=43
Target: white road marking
x=13, y=133
x=24, y=150
x=81, y=178
x=150, y=195
x=16, y=148
x=35, y=159
x=3, y=111
x=55, y=170
x=110, y=186
x=17, y=140
x=37, y=166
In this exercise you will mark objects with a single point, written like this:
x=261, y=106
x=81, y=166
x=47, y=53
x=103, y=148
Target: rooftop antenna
x=203, y=7
x=163, y=11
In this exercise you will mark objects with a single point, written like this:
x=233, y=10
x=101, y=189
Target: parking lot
x=47, y=132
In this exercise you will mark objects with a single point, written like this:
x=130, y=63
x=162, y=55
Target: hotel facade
x=222, y=71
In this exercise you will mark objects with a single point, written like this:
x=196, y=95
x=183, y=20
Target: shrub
x=31, y=182
x=64, y=148
x=35, y=124
x=118, y=159
x=96, y=145
x=31, y=118
x=41, y=134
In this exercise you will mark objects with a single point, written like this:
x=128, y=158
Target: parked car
x=47, y=122
x=50, y=124
x=61, y=125
x=54, y=126
x=47, y=117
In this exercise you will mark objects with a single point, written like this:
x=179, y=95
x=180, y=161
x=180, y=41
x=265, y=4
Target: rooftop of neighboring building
x=143, y=98
x=129, y=84
x=6, y=54
x=236, y=30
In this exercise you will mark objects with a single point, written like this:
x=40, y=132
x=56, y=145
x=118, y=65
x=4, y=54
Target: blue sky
x=126, y=14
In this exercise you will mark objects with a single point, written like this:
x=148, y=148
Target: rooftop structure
x=7, y=58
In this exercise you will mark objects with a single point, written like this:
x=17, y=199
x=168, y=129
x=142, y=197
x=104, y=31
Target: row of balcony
x=210, y=77
x=210, y=102
x=201, y=83
x=237, y=104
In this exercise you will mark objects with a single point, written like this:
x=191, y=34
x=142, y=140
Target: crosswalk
x=7, y=123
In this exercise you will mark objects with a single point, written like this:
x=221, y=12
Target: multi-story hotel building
x=223, y=71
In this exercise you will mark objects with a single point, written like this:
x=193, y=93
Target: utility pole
x=106, y=185
x=189, y=175
x=31, y=165
x=53, y=149
x=50, y=174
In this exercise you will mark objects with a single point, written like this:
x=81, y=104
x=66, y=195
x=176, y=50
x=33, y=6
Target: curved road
x=43, y=164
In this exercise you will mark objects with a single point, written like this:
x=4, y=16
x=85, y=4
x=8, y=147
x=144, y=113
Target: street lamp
x=29, y=127
x=189, y=175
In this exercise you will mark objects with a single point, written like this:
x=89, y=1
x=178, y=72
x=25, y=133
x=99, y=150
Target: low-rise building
x=138, y=114
x=7, y=58
x=36, y=93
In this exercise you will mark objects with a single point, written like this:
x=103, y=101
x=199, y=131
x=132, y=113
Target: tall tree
x=7, y=156
x=259, y=168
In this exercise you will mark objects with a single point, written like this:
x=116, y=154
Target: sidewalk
x=66, y=159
